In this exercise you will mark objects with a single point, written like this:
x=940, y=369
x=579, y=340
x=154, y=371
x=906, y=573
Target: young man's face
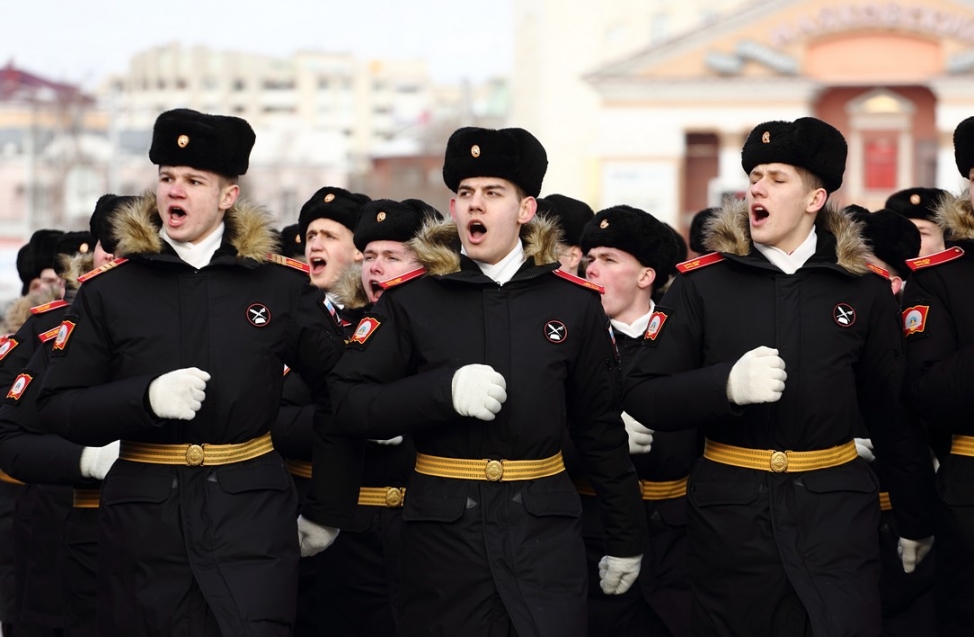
x=385, y=260
x=489, y=215
x=47, y=279
x=931, y=237
x=329, y=249
x=626, y=281
x=192, y=202
x=781, y=209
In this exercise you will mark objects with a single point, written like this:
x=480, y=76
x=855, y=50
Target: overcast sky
x=83, y=41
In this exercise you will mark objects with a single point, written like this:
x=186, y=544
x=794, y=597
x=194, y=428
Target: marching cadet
x=938, y=315
x=360, y=575
x=907, y=598
x=485, y=360
x=920, y=205
x=628, y=251
x=570, y=215
x=324, y=234
x=176, y=349
x=773, y=346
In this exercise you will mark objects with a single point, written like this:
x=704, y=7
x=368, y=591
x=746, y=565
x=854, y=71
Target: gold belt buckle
x=779, y=462
x=393, y=497
x=494, y=470
x=194, y=455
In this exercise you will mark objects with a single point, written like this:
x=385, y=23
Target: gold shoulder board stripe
x=883, y=272
x=47, y=307
x=699, y=262
x=585, y=283
x=402, y=278
x=111, y=265
x=280, y=259
x=944, y=256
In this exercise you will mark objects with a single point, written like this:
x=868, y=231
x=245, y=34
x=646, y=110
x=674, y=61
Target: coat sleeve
x=317, y=345
x=79, y=398
x=899, y=438
x=17, y=357
x=600, y=439
x=376, y=390
x=26, y=452
x=940, y=373
x=293, y=430
x=667, y=389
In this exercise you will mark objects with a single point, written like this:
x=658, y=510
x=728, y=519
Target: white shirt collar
x=197, y=255
x=637, y=328
x=502, y=271
x=790, y=263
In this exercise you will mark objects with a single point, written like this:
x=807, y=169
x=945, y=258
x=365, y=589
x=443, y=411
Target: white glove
x=178, y=394
x=864, y=447
x=757, y=377
x=390, y=442
x=314, y=538
x=616, y=574
x=912, y=552
x=640, y=438
x=96, y=461
x=478, y=391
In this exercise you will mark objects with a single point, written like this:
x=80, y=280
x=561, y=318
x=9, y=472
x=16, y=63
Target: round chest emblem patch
x=844, y=315
x=258, y=315
x=555, y=331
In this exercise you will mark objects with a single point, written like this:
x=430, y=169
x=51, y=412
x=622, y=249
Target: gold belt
x=195, y=455
x=299, y=468
x=779, y=461
x=962, y=446
x=884, y=503
x=666, y=490
x=5, y=477
x=87, y=498
x=392, y=497
x=487, y=469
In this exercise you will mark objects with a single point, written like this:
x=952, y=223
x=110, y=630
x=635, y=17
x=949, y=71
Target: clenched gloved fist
x=478, y=391
x=912, y=552
x=616, y=574
x=640, y=438
x=178, y=394
x=757, y=377
x=314, y=538
x=864, y=447
x=96, y=461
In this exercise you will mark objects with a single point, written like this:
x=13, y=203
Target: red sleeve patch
x=19, y=386
x=63, y=335
x=915, y=319
x=7, y=347
x=656, y=321
x=366, y=328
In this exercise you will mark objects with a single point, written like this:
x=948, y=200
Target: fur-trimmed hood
x=728, y=231
x=75, y=266
x=955, y=216
x=248, y=229
x=436, y=244
x=348, y=289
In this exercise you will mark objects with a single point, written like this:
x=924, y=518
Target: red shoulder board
x=935, y=259
x=699, y=262
x=577, y=280
x=47, y=307
x=49, y=334
x=105, y=268
x=878, y=270
x=280, y=259
x=402, y=278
